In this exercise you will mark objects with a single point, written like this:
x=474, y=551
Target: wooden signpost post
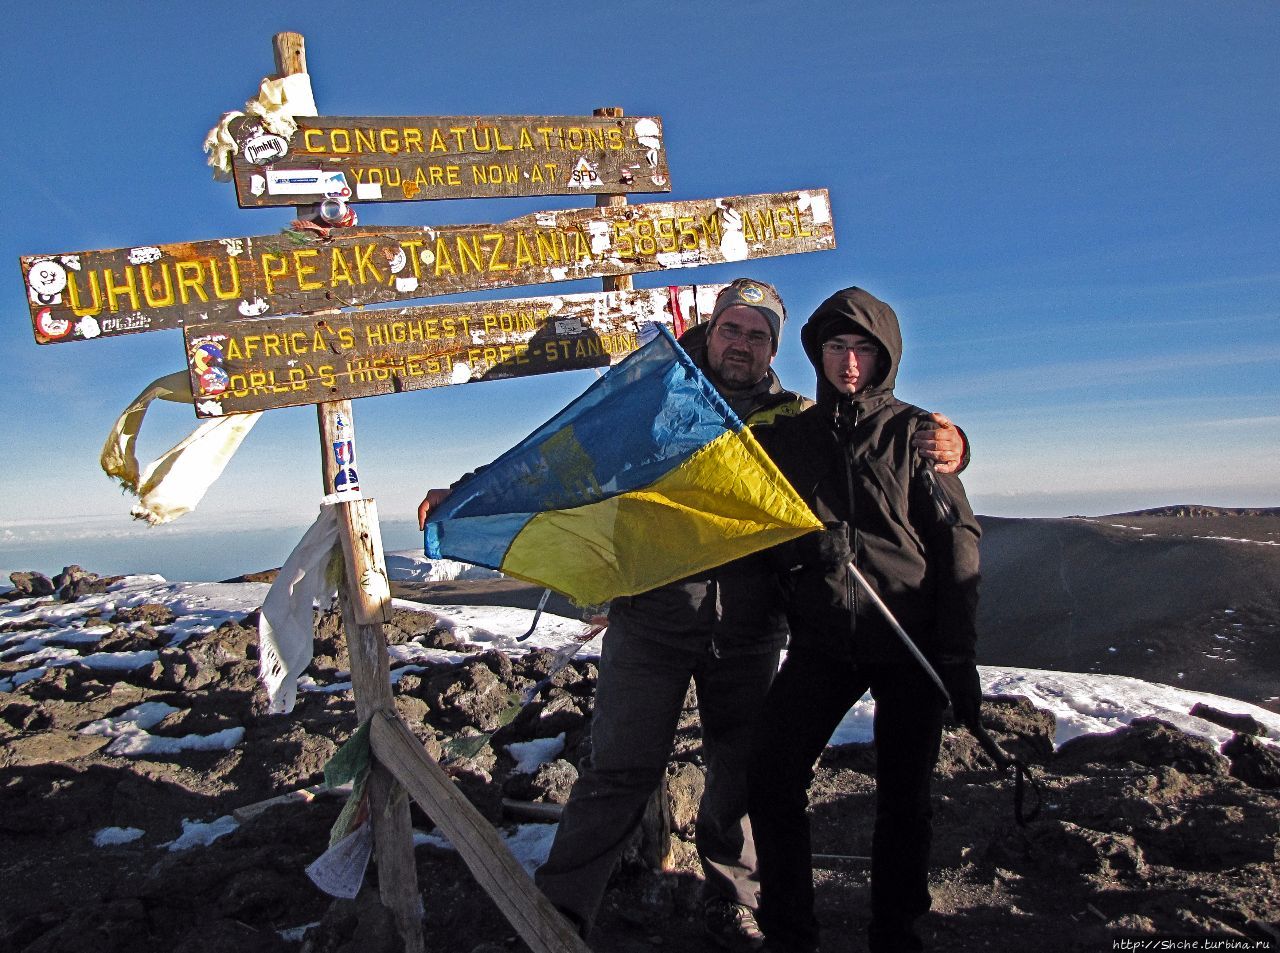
x=364, y=601
x=264, y=328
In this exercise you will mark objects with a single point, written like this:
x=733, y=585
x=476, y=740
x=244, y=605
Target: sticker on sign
x=307, y=182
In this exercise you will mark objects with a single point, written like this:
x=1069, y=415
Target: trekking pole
x=542, y=604
x=1002, y=758
x=898, y=630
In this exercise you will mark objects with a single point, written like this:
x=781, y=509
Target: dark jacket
x=913, y=534
x=735, y=608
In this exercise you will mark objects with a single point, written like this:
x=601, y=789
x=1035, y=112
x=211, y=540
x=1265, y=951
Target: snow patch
x=529, y=755
x=137, y=719
x=202, y=833
x=113, y=836
x=413, y=566
x=139, y=743
x=529, y=843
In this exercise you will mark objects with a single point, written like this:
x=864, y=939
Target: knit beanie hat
x=761, y=296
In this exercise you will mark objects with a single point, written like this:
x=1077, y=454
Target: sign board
x=244, y=365
x=83, y=295
x=397, y=159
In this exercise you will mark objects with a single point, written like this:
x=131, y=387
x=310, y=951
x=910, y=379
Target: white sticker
x=406, y=285
x=307, y=182
x=601, y=233
x=584, y=175
x=397, y=261
x=234, y=246
x=821, y=210
x=257, y=184
x=545, y=220
x=53, y=328
x=134, y=321
x=47, y=277
x=733, y=243
x=266, y=148
x=72, y=262
x=461, y=373
x=210, y=408
x=374, y=584
x=88, y=328
x=368, y=191
x=251, y=309
x=559, y=274
x=648, y=134
x=144, y=255
x=428, y=256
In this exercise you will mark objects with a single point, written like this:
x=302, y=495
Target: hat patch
x=751, y=294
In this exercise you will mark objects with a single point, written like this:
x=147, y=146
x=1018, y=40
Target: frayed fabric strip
x=285, y=623
x=176, y=481
x=279, y=102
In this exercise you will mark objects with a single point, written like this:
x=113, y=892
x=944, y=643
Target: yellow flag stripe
x=726, y=501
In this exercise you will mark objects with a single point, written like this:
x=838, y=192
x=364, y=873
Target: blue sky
x=1074, y=208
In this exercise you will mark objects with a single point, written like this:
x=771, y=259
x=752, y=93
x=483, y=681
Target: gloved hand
x=823, y=550
x=965, y=688
x=829, y=549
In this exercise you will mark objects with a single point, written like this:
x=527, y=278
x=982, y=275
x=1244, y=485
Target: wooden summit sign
x=396, y=159
x=245, y=365
x=83, y=295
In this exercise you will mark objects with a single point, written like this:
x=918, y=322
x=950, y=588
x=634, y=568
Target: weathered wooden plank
x=263, y=363
x=403, y=158
x=83, y=295
x=371, y=686
x=530, y=914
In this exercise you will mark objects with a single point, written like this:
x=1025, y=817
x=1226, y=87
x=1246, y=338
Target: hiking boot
x=732, y=925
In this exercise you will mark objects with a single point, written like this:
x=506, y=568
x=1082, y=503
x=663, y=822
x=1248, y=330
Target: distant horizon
x=196, y=552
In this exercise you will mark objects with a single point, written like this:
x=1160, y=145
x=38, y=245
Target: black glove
x=965, y=688
x=829, y=549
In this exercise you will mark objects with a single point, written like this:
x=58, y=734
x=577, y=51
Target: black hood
x=853, y=311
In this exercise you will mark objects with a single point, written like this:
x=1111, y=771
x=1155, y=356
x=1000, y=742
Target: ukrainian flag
x=646, y=478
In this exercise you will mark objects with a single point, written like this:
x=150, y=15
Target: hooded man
x=723, y=630
x=911, y=533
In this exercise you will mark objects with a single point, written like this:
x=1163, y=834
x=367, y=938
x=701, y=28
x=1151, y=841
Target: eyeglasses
x=861, y=350
x=733, y=334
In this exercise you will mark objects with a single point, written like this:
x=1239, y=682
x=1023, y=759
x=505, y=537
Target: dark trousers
x=639, y=696
x=808, y=699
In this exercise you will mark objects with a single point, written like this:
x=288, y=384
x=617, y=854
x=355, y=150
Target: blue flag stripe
x=645, y=417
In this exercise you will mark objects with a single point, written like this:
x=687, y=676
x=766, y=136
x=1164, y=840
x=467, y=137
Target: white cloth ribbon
x=279, y=100
x=176, y=481
x=285, y=624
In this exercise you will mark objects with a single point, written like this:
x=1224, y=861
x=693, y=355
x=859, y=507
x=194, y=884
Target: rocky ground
x=1147, y=830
